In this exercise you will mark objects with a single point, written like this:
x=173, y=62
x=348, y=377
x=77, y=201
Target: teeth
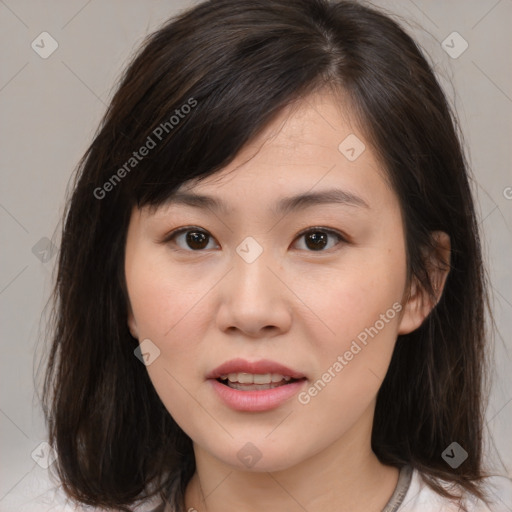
x=254, y=387
x=249, y=378
x=243, y=378
x=266, y=378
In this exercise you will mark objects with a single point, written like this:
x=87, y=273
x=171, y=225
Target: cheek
x=361, y=306
x=168, y=306
x=362, y=309
x=353, y=297
x=162, y=297
x=167, y=309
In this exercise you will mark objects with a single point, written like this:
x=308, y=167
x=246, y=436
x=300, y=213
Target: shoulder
x=421, y=498
x=38, y=492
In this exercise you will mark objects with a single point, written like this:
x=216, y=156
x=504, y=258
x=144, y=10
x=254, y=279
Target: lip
x=255, y=401
x=256, y=367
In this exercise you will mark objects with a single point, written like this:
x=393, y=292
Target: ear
x=418, y=301
x=132, y=325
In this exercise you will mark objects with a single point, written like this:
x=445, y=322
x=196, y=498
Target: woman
x=270, y=289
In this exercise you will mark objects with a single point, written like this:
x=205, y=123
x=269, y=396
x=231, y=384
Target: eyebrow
x=283, y=206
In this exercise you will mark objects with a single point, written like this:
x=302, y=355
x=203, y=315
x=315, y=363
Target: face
x=310, y=297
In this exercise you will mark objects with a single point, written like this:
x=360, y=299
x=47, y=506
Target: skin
x=294, y=305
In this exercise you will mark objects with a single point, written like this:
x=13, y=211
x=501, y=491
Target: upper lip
x=256, y=367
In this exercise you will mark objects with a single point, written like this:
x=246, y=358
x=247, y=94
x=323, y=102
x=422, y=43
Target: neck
x=347, y=476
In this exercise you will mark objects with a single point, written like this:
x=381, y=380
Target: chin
x=259, y=456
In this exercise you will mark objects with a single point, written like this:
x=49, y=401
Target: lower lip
x=256, y=401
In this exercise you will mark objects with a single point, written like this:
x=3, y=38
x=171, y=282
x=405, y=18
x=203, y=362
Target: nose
x=253, y=299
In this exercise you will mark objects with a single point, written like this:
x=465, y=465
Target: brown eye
x=317, y=239
x=191, y=238
x=196, y=239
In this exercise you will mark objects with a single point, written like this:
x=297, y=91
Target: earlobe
x=132, y=325
x=414, y=309
x=419, y=302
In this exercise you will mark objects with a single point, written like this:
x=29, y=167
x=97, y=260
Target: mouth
x=255, y=386
x=255, y=382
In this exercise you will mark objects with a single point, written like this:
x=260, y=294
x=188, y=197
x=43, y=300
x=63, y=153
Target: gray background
x=49, y=112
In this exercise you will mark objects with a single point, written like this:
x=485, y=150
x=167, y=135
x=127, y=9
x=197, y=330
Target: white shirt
x=37, y=494
x=421, y=498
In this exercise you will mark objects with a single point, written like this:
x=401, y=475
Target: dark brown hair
x=237, y=64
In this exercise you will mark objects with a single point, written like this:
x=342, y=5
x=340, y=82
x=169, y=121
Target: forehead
x=313, y=151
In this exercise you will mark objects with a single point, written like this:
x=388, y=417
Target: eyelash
x=342, y=239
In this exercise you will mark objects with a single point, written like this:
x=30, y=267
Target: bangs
x=204, y=100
